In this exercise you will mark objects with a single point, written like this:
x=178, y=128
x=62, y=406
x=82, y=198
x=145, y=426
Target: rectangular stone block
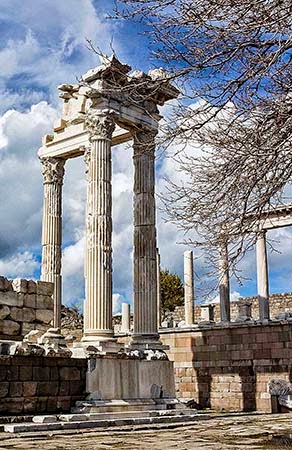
x=47, y=388
x=29, y=300
x=29, y=388
x=26, y=327
x=4, y=389
x=9, y=328
x=41, y=373
x=31, y=287
x=44, y=315
x=16, y=314
x=25, y=373
x=15, y=389
x=19, y=285
x=5, y=284
x=45, y=288
x=10, y=298
x=44, y=302
x=69, y=373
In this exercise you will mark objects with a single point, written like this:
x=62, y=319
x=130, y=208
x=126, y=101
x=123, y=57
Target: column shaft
x=145, y=262
x=224, y=288
x=53, y=172
x=126, y=317
x=158, y=289
x=189, y=287
x=98, y=259
x=262, y=277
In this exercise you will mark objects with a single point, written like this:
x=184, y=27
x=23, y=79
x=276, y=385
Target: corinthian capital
x=53, y=170
x=144, y=142
x=100, y=124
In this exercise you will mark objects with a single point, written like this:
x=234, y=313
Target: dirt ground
x=220, y=432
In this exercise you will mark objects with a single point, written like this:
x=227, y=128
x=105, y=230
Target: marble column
x=224, y=288
x=158, y=289
x=145, y=261
x=53, y=174
x=98, y=258
x=189, y=287
x=126, y=318
x=262, y=276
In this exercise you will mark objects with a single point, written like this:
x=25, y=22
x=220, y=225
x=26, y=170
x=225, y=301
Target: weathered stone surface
x=31, y=287
x=44, y=419
x=19, y=285
x=44, y=315
x=4, y=388
x=10, y=298
x=29, y=300
x=9, y=327
x=33, y=336
x=5, y=284
x=45, y=288
x=16, y=314
x=4, y=311
x=279, y=387
x=26, y=327
x=44, y=302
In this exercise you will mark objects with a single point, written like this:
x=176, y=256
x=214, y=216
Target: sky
x=43, y=44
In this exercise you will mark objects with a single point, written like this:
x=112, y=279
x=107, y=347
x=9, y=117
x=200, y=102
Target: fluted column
x=145, y=265
x=224, y=288
x=98, y=259
x=158, y=289
x=189, y=287
x=53, y=173
x=126, y=318
x=262, y=277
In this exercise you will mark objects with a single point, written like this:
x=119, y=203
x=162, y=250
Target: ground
x=218, y=432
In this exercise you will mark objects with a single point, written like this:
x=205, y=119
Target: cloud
x=19, y=265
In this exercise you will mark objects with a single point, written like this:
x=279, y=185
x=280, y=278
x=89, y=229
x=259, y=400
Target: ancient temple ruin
x=110, y=106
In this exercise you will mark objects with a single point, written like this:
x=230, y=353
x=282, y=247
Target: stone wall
x=25, y=305
x=228, y=367
x=40, y=384
x=278, y=303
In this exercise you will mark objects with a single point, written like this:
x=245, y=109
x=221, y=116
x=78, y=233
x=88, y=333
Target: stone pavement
x=220, y=432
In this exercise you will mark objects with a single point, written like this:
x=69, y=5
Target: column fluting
x=53, y=174
x=145, y=259
x=262, y=276
x=98, y=259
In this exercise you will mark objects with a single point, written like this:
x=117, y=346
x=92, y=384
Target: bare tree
x=232, y=62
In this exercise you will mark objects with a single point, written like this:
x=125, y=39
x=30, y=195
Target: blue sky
x=43, y=44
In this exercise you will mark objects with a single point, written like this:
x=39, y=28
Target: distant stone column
x=145, y=262
x=126, y=318
x=189, y=287
x=224, y=288
x=262, y=277
x=98, y=259
x=158, y=289
x=53, y=174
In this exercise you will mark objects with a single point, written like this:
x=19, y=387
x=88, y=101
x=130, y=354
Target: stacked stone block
x=25, y=305
x=279, y=303
x=32, y=384
x=228, y=367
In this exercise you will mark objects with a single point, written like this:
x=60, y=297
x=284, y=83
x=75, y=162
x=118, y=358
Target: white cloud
x=19, y=265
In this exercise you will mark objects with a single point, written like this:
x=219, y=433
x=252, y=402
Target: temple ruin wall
x=25, y=305
x=278, y=303
x=228, y=367
x=34, y=384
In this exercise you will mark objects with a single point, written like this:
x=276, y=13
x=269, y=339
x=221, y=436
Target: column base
x=147, y=341
x=98, y=336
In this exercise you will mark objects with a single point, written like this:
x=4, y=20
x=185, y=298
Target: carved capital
x=100, y=124
x=53, y=170
x=144, y=142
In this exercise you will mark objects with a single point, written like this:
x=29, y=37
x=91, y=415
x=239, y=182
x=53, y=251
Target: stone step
x=96, y=406
x=83, y=424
